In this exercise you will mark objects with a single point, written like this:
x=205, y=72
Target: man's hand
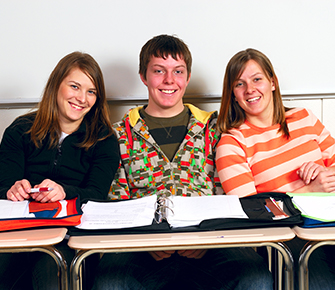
x=160, y=255
x=195, y=254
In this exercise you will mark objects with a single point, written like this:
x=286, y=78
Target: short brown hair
x=163, y=46
x=231, y=114
x=46, y=121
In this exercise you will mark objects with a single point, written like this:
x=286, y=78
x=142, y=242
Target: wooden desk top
x=315, y=234
x=208, y=239
x=31, y=238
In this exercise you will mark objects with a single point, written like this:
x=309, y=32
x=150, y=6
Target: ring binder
x=162, y=207
x=159, y=213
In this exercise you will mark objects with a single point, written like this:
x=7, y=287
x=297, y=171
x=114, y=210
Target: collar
x=200, y=115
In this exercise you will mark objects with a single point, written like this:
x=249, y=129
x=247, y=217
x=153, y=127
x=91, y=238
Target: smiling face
x=253, y=92
x=76, y=96
x=166, y=80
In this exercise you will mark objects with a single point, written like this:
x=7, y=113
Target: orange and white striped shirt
x=251, y=160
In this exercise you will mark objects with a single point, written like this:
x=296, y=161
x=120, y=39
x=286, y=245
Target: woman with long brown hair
x=266, y=147
x=67, y=145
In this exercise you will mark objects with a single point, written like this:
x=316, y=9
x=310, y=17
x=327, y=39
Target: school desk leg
x=288, y=261
x=76, y=279
x=61, y=264
x=305, y=253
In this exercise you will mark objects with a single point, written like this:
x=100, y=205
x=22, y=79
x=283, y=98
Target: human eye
x=74, y=87
x=92, y=92
x=158, y=70
x=238, y=84
x=179, y=70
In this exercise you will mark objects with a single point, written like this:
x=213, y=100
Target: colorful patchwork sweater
x=145, y=170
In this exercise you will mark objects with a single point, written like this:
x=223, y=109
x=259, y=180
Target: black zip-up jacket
x=85, y=173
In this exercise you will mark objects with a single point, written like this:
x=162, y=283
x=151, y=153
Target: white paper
x=318, y=207
x=14, y=209
x=190, y=211
x=116, y=215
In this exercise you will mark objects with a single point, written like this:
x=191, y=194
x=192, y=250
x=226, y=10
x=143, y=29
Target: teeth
x=253, y=99
x=76, y=107
x=168, y=91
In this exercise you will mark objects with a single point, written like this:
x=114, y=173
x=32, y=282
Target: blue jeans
x=234, y=268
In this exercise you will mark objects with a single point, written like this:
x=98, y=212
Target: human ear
x=273, y=86
x=189, y=77
x=143, y=79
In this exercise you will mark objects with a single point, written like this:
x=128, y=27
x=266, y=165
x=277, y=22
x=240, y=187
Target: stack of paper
x=190, y=211
x=181, y=212
x=117, y=215
x=319, y=206
x=13, y=209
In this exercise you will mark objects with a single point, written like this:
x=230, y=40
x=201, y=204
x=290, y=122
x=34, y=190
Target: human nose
x=250, y=88
x=81, y=96
x=169, y=78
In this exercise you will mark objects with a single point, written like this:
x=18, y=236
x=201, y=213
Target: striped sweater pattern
x=252, y=160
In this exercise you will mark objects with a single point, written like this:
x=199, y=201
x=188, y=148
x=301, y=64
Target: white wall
x=297, y=36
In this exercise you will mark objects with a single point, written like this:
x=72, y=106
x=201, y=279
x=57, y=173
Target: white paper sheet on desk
x=318, y=207
x=13, y=209
x=117, y=215
x=190, y=211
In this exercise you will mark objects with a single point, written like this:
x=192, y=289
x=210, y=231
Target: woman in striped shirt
x=267, y=147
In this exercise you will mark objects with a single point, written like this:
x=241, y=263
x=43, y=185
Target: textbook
x=178, y=211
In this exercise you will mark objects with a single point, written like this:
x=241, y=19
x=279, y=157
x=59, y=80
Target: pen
x=40, y=189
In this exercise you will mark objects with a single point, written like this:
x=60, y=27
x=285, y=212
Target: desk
x=316, y=237
x=273, y=237
x=37, y=240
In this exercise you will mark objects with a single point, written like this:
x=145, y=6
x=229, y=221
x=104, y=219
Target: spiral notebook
x=178, y=211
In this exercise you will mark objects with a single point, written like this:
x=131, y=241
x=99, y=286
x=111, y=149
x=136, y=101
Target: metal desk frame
x=88, y=245
x=40, y=240
x=315, y=238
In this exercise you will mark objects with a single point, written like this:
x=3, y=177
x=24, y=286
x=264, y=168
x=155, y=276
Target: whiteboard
x=297, y=36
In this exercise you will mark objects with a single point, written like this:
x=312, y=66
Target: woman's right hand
x=19, y=191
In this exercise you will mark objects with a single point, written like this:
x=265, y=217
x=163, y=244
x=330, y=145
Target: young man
x=167, y=147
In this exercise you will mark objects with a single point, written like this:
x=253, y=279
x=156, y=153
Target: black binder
x=254, y=206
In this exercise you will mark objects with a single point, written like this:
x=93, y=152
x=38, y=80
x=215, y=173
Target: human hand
x=19, y=191
x=160, y=255
x=309, y=171
x=56, y=194
x=195, y=254
x=324, y=182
